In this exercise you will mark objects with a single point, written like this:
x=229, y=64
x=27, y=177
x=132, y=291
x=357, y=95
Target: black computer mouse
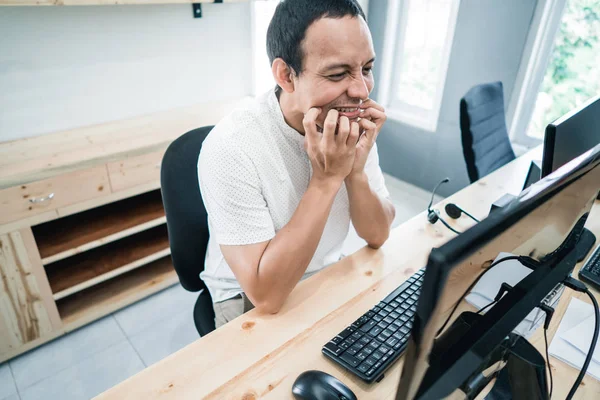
x=318, y=385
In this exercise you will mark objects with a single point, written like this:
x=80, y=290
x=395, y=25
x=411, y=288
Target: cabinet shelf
x=87, y=269
x=87, y=230
x=100, y=300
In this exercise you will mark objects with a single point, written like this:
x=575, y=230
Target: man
x=282, y=180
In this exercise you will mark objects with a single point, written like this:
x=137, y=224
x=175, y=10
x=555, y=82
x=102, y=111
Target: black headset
x=452, y=210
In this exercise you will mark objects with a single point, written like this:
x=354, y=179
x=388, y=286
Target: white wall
x=64, y=67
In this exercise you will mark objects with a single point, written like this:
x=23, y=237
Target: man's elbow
x=378, y=241
x=268, y=306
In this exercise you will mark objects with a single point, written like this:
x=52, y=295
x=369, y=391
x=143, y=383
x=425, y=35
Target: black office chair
x=187, y=223
x=485, y=142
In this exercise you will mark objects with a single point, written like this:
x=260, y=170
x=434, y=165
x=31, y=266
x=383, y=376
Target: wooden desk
x=259, y=356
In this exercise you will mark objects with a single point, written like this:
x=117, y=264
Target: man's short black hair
x=291, y=20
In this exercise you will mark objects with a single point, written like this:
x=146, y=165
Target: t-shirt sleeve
x=232, y=195
x=373, y=171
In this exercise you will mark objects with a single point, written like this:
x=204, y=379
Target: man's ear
x=283, y=74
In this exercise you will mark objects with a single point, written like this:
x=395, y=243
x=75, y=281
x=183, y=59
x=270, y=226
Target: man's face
x=338, y=58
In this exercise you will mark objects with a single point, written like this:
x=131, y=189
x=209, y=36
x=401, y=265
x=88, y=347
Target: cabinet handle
x=37, y=200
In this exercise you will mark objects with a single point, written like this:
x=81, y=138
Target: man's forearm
x=371, y=215
x=289, y=253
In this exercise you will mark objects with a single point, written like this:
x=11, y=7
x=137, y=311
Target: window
x=571, y=77
x=417, y=46
x=262, y=12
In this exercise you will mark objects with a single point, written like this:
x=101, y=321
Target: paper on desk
x=562, y=346
x=581, y=335
x=511, y=272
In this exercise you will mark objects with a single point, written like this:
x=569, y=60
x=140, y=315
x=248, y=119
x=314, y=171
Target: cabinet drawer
x=24, y=201
x=135, y=171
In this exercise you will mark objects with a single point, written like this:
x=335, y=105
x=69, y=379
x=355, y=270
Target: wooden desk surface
x=259, y=356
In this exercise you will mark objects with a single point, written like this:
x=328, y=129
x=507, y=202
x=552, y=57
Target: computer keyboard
x=590, y=272
x=375, y=340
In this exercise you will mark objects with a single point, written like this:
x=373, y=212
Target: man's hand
x=331, y=155
x=372, y=119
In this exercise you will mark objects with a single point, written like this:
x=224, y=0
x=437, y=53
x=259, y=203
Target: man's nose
x=358, y=88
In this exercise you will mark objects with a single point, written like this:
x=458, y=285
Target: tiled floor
x=96, y=357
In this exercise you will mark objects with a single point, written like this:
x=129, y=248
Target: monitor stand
x=534, y=174
x=585, y=244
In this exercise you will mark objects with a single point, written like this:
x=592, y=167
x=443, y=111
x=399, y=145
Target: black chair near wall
x=485, y=141
x=187, y=223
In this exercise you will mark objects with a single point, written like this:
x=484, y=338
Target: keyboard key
x=394, y=304
x=370, y=372
x=344, y=345
x=351, y=350
x=367, y=327
x=383, y=324
x=358, y=323
x=396, y=292
x=370, y=361
x=356, y=335
x=362, y=355
x=345, y=333
x=404, y=317
x=333, y=348
x=414, y=297
x=364, y=368
x=384, y=349
x=350, y=340
x=391, y=341
x=413, y=308
x=350, y=359
x=376, y=309
x=388, y=309
x=388, y=332
x=384, y=335
x=377, y=355
x=397, y=323
x=404, y=330
x=388, y=319
x=336, y=340
x=383, y=313
x=404, y=306
x=398, y=335
x=377, y=317
x=376, y=366
x=375, y=331
x=368, y=350
x=394, y=315
x=364, y=340
x=398, y=345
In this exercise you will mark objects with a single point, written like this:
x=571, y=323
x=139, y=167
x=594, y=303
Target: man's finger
x=354, y=134
x=330, y=126
x=370, y=129
x=310, y=125
x=343, y=129
x=369, y=103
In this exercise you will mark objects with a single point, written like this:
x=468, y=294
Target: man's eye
x=337, y=77
x=367, y=70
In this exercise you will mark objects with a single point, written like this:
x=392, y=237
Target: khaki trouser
x=230, y=309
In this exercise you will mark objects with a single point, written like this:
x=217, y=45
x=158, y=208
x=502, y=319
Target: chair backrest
x=187, y=222
x=485, y=141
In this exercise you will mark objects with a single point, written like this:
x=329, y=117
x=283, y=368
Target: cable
x=548, y=362
x=486, y=307
x=445, y=223
x=473, y=284
x=580, y=287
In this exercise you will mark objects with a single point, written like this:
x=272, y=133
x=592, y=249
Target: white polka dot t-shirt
x=253, y=171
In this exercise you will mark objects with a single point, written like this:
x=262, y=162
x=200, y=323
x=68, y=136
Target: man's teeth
x=347, y=110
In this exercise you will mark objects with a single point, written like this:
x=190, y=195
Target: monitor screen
x=571, y=135
x=535, y=224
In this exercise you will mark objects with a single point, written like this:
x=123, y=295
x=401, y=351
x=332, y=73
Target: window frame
x=395, y=31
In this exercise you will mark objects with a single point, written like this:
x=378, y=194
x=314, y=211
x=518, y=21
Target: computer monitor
x=571, y=135
x=536, y=224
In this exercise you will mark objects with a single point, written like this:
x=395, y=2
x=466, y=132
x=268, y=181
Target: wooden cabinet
x=88, y=236
x=27, y=311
